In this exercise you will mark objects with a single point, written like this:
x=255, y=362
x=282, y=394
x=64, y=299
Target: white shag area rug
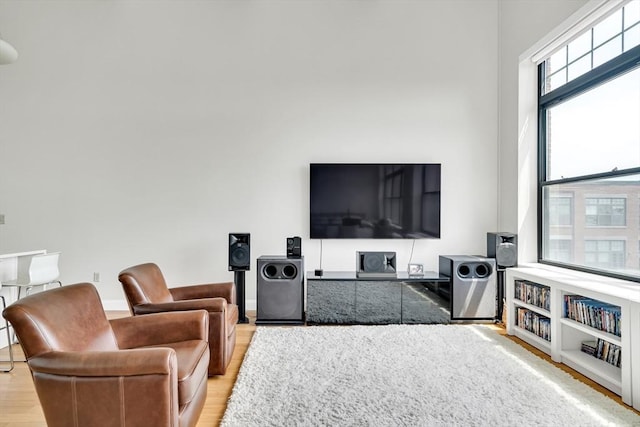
x=407, y=375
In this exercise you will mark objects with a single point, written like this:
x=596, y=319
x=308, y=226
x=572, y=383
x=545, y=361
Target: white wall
x=522, y=24
x=134, y=131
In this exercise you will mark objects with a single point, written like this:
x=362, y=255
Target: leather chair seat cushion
x=192, y=367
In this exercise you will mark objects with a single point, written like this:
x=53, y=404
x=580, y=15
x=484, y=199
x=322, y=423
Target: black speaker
x=280, y=290
x=503, y=247
x=473, y=286
x=376, y=264
x=239, y=252
x=294, y=247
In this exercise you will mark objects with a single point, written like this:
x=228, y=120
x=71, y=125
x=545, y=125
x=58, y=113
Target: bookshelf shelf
x=591, y=331
x=607, y=325
x=601, y=372
x=539, y=343
x=537, y=309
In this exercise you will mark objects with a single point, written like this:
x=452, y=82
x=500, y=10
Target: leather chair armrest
x=161, y=328
x=119, y=363
x=212, y=305
x=224, y=290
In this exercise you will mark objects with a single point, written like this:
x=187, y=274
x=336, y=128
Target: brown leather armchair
x=147, y=292
x=90, y=371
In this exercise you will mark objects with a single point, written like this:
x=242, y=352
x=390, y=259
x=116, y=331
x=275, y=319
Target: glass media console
x=340, y=297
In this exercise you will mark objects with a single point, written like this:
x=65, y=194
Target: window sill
x=620, y=288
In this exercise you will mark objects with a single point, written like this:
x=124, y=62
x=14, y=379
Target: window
x=605, y=212
x=618, y=33
x=560, y=211
x=606, y=254
x=589, y=148
x=561, y=249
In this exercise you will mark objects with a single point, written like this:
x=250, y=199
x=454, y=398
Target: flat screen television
x=375, y=201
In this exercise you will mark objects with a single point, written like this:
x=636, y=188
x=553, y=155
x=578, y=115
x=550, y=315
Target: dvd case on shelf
x=591, y=312
x=533, y=293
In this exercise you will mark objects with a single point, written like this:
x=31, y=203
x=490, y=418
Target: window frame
x=616, y=67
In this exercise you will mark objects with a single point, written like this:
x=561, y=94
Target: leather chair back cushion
x=145, y=284
x=71, y=318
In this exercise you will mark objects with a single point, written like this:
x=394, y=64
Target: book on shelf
x=533, y=322
x=603, y=350
x=608, y=352
x=591, y=312
x=533, y=293
x=589, y=347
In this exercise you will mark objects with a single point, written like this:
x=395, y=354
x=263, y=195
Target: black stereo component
x=280, y=290
x=294, y=247
x=239, y=252
x=376, y=264
x=503, y=247
x=473, y=286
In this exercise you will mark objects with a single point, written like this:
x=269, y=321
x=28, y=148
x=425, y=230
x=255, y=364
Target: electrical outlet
x=96, y=277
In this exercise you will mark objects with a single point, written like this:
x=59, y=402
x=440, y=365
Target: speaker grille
x=506, y=254
x=503, y=247
x=239, y=251
x=294, y=247
x=373, y=263
x=240, y=254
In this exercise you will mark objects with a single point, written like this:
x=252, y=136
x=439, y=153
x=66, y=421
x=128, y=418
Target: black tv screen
x=375, y=201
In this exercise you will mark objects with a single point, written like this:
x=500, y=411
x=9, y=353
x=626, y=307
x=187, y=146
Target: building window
x=589, y=146
x=605, y=212
x=605, y=254
x=561, y=249
x=560, y=211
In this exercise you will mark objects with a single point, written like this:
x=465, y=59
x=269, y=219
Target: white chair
x=6, y=327
x=40, y=270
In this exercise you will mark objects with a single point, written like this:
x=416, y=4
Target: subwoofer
x=376, y=264
x=280, y=290
x=239, y=251
x=294, y=247
x=503, y=247
x=473, y=286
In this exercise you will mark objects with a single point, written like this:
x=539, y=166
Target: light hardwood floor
x=19, y=406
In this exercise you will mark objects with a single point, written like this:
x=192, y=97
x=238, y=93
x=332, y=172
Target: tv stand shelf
x=607, y=318
x=340, y=297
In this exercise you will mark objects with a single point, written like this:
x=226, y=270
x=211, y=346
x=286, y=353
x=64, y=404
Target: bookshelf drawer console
x=587, y=322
